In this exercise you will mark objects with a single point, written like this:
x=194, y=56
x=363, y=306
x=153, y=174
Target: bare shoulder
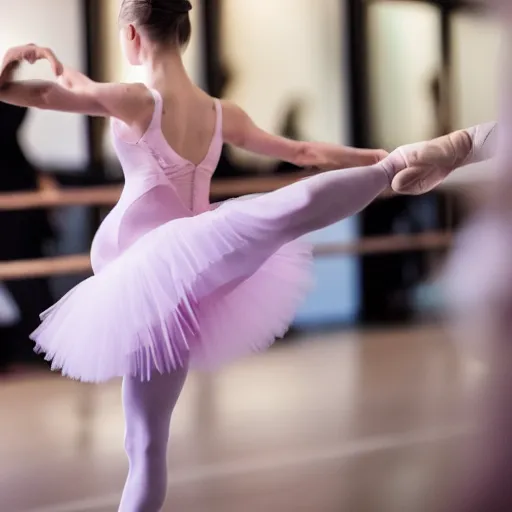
x=136, y=95
x=232, y=111
x=236, y=121
x=133, y=103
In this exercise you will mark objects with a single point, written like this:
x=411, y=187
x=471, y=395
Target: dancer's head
x=149, y=25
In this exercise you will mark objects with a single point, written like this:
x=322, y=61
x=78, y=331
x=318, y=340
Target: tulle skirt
x=197, y=291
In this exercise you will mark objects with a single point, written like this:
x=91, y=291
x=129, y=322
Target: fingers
x=32, y=53
x=49, y=55
x=374, y=156
x=361, y=157
x=380, y=154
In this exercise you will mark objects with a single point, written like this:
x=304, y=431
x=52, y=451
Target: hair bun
x=164, y=21
x=181, y=6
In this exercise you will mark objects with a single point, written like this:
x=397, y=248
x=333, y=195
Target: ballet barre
x=385, y=244
x=81, y=264
x=45, y=267
x=108, y=195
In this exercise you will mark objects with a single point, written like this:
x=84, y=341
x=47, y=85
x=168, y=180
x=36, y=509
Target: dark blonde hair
x=164, y=21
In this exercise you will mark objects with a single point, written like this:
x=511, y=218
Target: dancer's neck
x=165, y=71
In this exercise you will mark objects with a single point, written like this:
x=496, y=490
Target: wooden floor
x=355, y=422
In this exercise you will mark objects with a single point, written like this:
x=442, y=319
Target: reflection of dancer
x=178, y=282
x=23, y=235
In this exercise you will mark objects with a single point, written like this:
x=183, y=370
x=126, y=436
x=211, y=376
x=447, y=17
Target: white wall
x=405, y=54
x=283, y=50
x=476, y=72
x=476, y=46
x=51, y=139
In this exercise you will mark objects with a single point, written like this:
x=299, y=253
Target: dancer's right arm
x=74, y=92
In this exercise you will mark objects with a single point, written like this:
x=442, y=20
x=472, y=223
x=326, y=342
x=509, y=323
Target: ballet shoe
x=418, y=168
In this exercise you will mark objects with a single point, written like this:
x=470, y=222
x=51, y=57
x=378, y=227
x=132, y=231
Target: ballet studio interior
x=373, y=400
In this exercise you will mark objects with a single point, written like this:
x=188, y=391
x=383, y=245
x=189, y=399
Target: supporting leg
x=148, y=407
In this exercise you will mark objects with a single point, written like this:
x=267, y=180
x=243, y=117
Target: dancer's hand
x=320, y=156
x=418, y=168
x=30, y=53
x=356, y=157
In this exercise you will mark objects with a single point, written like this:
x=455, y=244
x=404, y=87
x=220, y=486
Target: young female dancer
x=178, y=281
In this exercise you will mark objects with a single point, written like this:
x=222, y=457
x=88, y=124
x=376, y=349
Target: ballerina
x=178, y=282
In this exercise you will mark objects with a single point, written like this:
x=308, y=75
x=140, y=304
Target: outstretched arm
x=239, y=130
x=74, y=92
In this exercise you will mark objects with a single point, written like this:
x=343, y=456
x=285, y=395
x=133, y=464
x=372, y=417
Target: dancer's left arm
x=241, y=131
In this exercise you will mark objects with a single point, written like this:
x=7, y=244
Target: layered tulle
x=200, y=290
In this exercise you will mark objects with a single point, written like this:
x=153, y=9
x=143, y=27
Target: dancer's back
x=168, y=161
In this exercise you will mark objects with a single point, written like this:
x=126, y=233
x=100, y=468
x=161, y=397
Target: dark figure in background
x=291, y=130
x=23, y=235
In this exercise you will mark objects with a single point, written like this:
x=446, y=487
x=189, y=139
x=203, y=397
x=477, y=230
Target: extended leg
x=316, y=202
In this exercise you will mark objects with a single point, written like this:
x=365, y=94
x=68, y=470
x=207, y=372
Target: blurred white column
x=405, y=56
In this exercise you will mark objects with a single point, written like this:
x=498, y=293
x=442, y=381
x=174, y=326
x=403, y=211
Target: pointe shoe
x=420, y=167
